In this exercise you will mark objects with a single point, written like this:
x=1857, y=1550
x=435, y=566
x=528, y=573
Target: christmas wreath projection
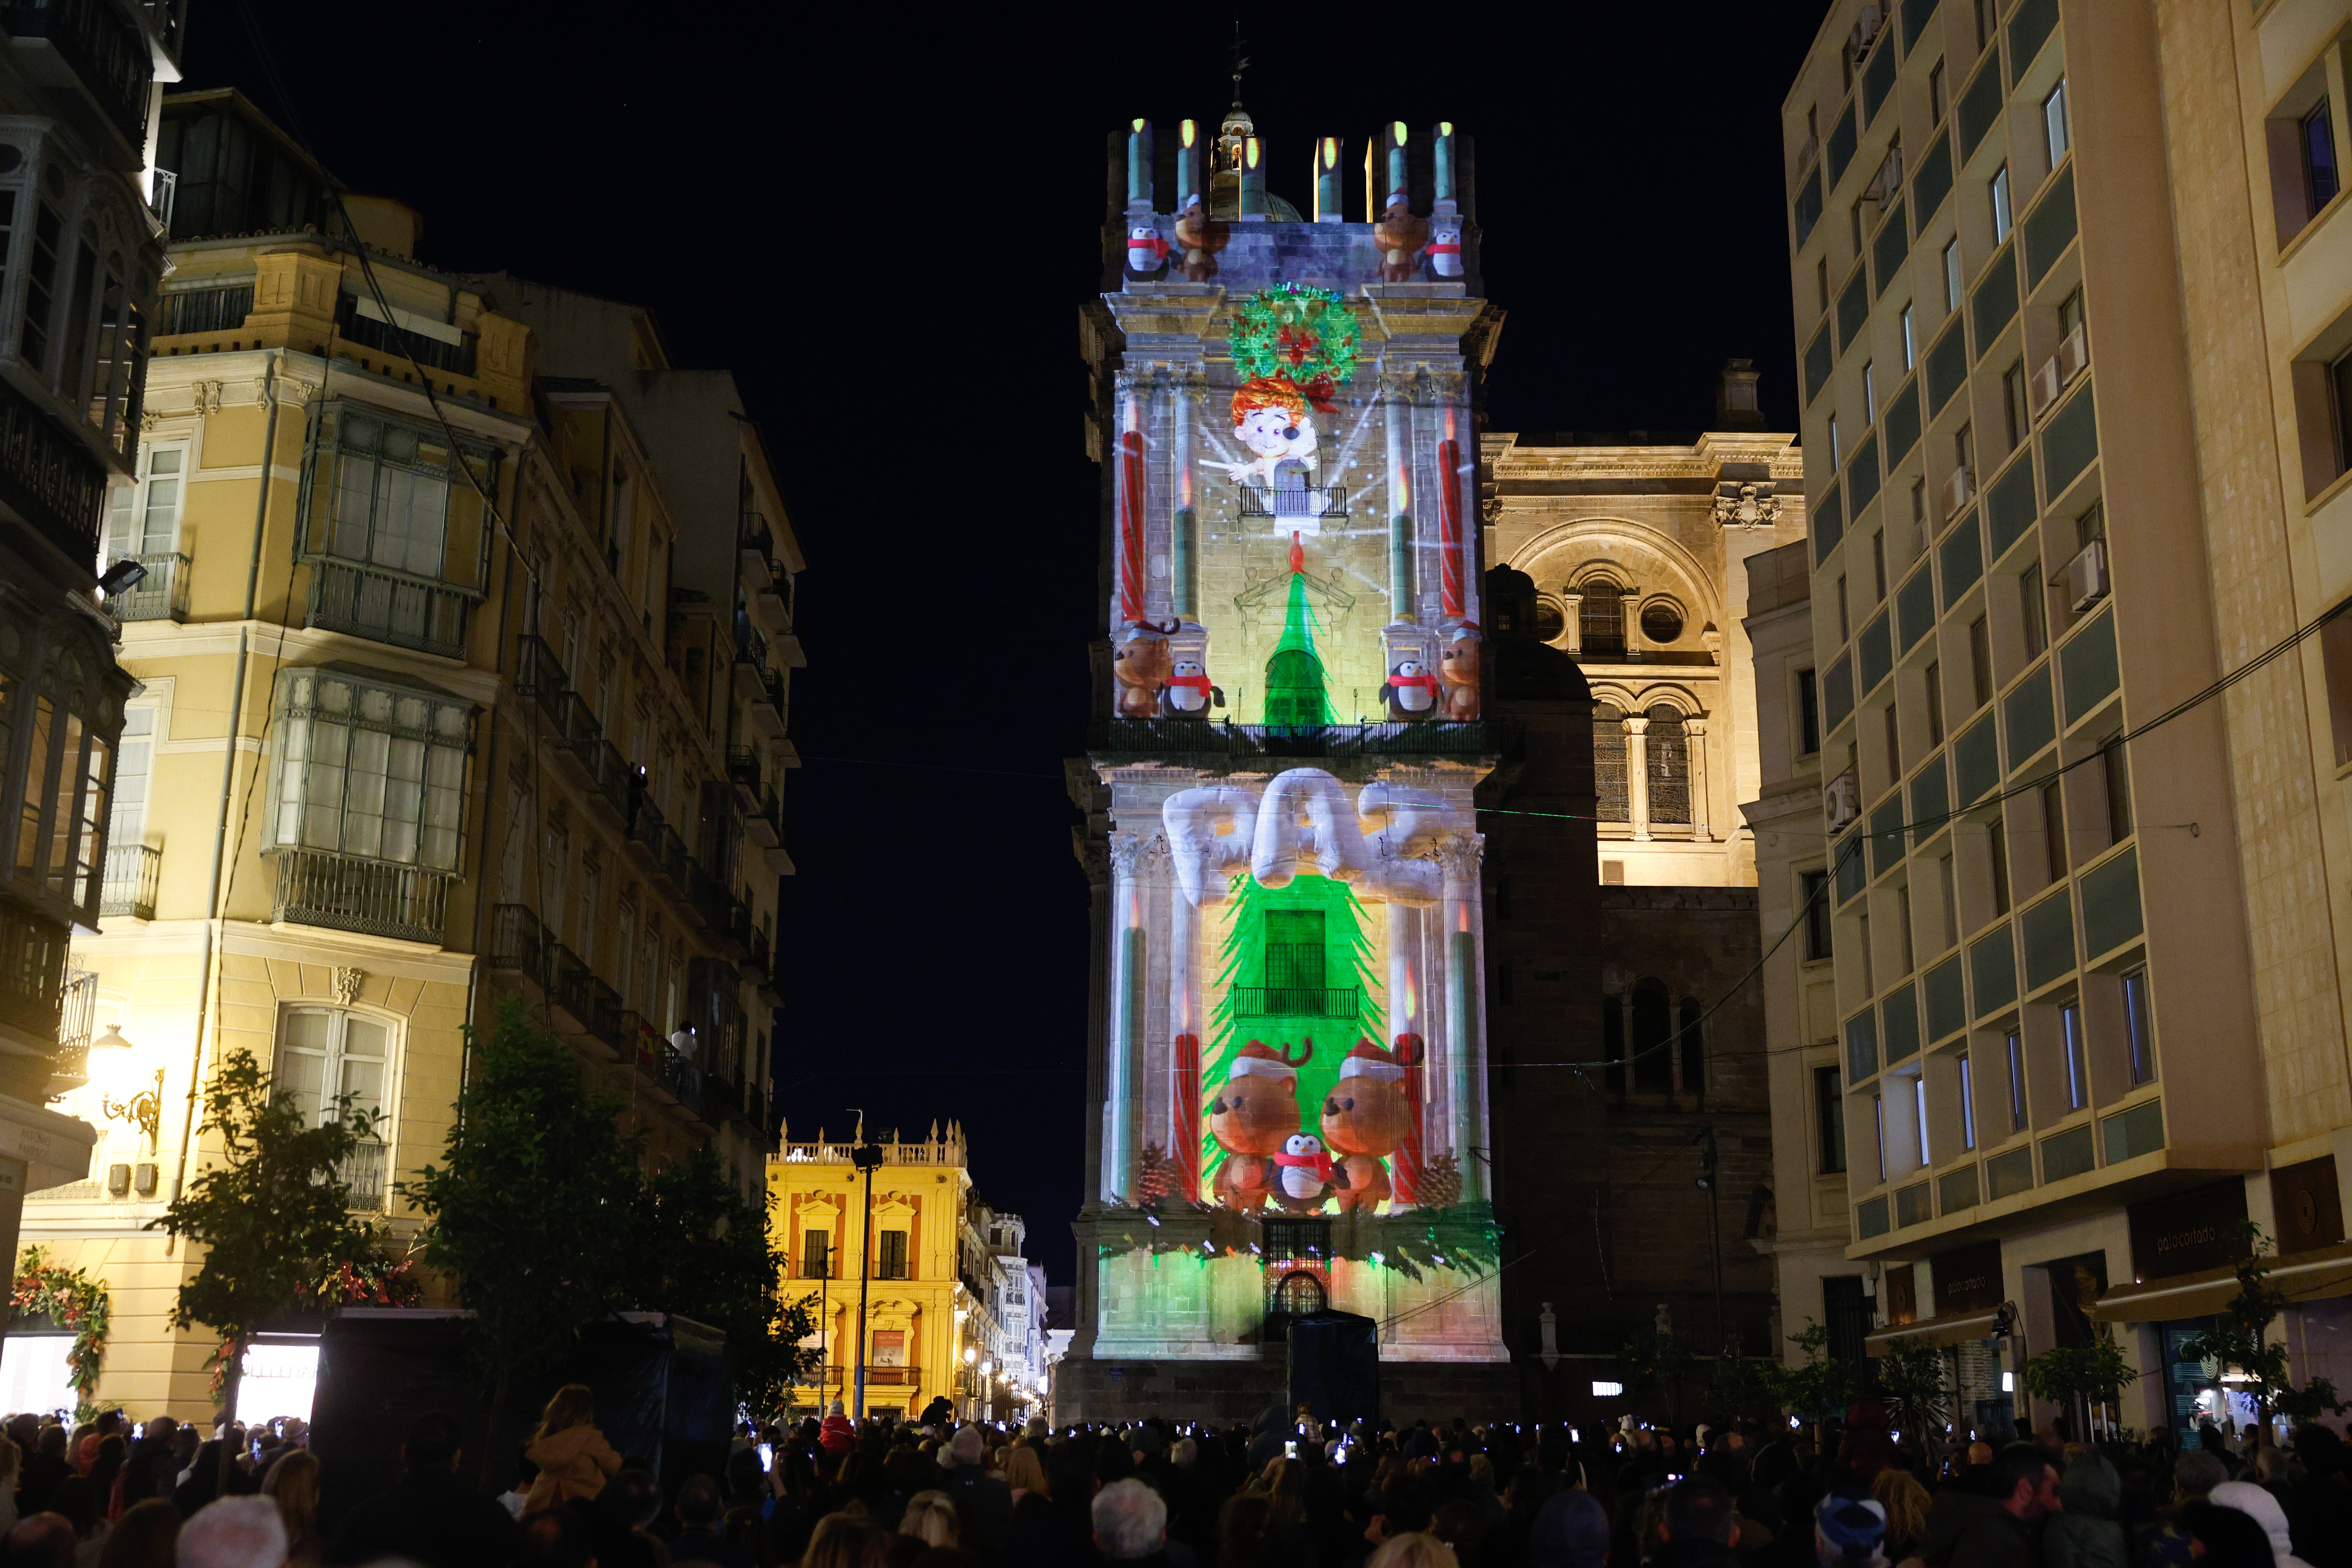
x=1294, y=1100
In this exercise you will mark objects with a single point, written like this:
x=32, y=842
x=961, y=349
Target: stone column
x=1396, y=430
x=1129, y=974
x=1574, y=603
x=1184, y=1031
x=1629, y=617
x=1695, y=761
x=1637, y=774
x=1458, y=856
x=1183, y=532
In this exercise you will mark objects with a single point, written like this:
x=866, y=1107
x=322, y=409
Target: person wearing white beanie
x=2263, y=1510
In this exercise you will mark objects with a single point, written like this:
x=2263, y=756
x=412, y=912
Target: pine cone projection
x=1440, y=1183
x=1155, y=1173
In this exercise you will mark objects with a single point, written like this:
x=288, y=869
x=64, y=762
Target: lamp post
x=867, y=1157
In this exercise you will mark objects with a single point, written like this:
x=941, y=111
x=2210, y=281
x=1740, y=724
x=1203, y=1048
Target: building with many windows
x=927, y=1290
x=2073, y=299
x=426, y=717
x=80, y=258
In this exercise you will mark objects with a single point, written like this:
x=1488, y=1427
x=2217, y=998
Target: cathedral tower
x=1292, y=744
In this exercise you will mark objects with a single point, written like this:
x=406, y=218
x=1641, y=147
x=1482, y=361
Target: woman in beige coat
x=572, y=1457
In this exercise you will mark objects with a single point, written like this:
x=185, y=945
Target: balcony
x=48, y=476
x=191, y=310
x=387, y=607
x=372, y=897
x=32, y=971
x=436, y=353
x=1168, y=738
x=709, y=900
x=364, y=1174
x=128, y=888
x=104, y=51
x=765, y=823
x=539, y=675
x=519, y=943
x=645, y=829
x=70, y=1069
x=570, y=986
x=743, y=771
x=615, y=781
x=579, y=739
x=1295, y=1000
x=160, y=596
x=1303, y=503
x=168, y=21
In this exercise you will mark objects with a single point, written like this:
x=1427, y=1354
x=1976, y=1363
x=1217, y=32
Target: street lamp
x=867, y=1157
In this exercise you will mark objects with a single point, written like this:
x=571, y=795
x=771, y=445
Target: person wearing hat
x=2257, y=1504
x=1850, y=1533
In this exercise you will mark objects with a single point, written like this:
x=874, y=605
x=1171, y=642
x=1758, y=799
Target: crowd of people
x=1286, y=1491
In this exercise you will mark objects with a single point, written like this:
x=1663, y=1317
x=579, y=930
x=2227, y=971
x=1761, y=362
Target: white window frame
x=2003, y=220
x=412, y=746
x=2056, y=137
x=375, y=1149
x=135, y=504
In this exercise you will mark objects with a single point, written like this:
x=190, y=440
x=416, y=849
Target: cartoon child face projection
x=1272, y=420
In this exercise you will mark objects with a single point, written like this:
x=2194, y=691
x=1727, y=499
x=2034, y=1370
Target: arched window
x=1602, y=618
x=1668, y=758
x=1692, y=1049
x=1299, y=1294
x=1551, y=621
x=1609, y=764
x=1654, y=1028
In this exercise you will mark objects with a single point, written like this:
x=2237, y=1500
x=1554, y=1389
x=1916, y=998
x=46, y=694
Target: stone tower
x=1292, y=744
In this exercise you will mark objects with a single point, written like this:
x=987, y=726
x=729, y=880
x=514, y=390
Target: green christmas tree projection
x=1297, y=964
x=1294, y=675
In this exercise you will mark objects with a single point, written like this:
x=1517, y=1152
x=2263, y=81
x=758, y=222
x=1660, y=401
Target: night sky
x=884, y=220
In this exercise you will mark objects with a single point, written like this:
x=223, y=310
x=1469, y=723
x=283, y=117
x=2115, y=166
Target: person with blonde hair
x=1906, y=1503
x=293, y=1484
x=930, y=1518
x=1415, y=1548
x=1025, y=1471
x=573, y=1459
x=847, y=1540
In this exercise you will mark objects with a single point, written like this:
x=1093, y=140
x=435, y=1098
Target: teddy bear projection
x=1253, y=1116
x=1400, y=235
x=1458, y=666
x=1141, y=662
x=1367, y=1118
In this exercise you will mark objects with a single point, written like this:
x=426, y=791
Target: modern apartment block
x=426, y=717
x=2073, y=293
x=78, y=87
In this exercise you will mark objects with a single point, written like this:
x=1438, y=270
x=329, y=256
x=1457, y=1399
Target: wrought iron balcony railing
x=160, y=596
x=128, y=888
x=539, y=675
x=1296, y=1001
x=388, y=607
x=77, y=1013
x=345, y=893
x=364, y=1174
x=457, y=358
x=1317, y=501
x=519, y=942
x=1197, y=737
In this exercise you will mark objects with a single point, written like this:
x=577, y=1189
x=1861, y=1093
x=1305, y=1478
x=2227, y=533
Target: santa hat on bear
x=1368, y=1060
x=1257, y=1060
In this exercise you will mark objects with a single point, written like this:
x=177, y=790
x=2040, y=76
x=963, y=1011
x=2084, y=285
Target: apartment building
x=78, y=86
x=930, y=1311
x=419, y=700
x=2073, y=292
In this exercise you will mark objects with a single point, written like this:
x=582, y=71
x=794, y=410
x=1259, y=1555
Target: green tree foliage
x=1822, y=1386
x=536, y=1206
x=269, y=1209
x=2240, y=1341
x=708, y=1255
x=2097, y=1372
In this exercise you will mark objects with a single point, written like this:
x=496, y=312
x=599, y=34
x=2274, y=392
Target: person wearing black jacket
x=428, y=1516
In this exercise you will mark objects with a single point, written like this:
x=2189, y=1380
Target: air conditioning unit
x=1842, y=798
x=1958, y=490
x=2046, y=382
x=2086, y=575
x=2074, y=354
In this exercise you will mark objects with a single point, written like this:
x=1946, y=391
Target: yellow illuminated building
x=450, y=692
x=943, y=1276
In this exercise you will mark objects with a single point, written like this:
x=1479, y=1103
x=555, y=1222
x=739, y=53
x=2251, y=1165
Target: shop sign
x=1968, y=1279
x=2201, y=1228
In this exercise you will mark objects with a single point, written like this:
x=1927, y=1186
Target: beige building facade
x=2073, y=288
x=1639, y=553
x=420, y=703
